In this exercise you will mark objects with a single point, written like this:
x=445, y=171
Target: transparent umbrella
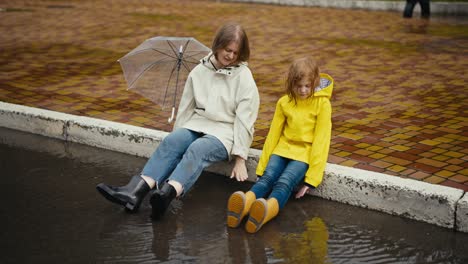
x=158, y=68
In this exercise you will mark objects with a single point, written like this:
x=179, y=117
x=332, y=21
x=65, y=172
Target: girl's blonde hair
x=228, y=33
x=299, y=69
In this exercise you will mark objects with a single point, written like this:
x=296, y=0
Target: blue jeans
x=182, y=156
x=280, y=177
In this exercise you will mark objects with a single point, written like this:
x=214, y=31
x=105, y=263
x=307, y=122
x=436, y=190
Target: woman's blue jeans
x=182, y=156
x=280, y=177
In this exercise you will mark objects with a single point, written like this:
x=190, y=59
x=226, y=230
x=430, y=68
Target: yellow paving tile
x=374, y=148
x=363, y=145
x=377, y=156
x=400, y=148
x=350, y=136
x=438, y=150
x=402, y=136
x=342, y=154
x=396, y=168
x=389, y=139
x=440, y=158
x=430, y=142
x=444, y=173
x=434, y=179
x=349, y=163
x=443, y=139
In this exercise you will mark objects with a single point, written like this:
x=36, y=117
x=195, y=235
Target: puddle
x=51, y=212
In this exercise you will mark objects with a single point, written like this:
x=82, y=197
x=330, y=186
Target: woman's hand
x=240, y=170
x=302, y=191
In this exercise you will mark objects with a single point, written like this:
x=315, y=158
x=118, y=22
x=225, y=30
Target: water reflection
x=246, y=248
x=309, y=246
x=416, y=26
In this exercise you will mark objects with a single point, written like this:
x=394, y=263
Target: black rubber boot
x=130, y=195
x=160, y=200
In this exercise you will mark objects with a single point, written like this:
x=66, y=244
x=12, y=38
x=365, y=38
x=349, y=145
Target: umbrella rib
x=174, y=49
x=164, y=53
x=145, y=70
x=169, y=55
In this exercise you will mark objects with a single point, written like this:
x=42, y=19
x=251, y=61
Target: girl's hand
x=240, y=170
x=302, y=191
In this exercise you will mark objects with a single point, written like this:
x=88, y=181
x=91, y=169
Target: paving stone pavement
x=400, y=99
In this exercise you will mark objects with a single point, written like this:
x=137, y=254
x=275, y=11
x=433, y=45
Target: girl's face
x=303, y=88
x=228, y=55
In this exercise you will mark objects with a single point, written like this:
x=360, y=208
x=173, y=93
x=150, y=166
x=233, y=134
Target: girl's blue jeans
x=182, y=156
x=280, y=177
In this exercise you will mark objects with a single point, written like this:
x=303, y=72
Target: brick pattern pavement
x=400, y=99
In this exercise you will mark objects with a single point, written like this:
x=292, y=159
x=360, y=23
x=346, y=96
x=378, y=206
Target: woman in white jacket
x=215, y=122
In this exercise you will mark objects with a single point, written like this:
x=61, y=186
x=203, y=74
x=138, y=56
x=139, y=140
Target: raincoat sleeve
x=248, y=102
x=186, y=105
x=320, y=146
x=276, y=130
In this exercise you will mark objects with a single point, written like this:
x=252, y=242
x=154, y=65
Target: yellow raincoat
x=302, y=132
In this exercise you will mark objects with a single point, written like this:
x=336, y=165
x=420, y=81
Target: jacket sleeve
x=248, y=102
x=274, y=134
x=186, y=105
x=320, y=146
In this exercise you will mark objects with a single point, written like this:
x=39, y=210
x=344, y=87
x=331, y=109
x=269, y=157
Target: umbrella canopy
x=158, y=68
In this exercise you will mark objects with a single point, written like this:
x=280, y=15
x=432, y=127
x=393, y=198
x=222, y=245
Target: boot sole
x=257, y=215
x=106, y=192
x=236, y=205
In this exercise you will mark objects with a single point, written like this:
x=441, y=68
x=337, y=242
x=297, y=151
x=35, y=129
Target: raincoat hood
x=229, y=70
x=325, y=87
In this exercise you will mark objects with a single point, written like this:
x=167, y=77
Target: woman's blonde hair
x=299, y=69
x=228, y=33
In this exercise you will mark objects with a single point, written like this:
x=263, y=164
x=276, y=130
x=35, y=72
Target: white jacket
x=223, y=103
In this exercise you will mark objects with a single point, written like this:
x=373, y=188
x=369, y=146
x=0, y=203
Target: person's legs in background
x=425, y=8
x=409, y=7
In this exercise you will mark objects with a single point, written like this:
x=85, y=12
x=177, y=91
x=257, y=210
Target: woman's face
x=228, y=55
x=303, y=88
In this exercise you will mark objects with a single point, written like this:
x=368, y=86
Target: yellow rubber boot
x=260, y=213
x=238, y=206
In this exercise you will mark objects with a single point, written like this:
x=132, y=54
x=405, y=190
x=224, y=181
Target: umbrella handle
x=172, y=116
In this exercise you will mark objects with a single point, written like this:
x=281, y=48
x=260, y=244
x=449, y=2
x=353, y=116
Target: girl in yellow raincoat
x=296, y=148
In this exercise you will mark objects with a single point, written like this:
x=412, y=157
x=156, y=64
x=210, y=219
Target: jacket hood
x=229, y=70
x=325, y=87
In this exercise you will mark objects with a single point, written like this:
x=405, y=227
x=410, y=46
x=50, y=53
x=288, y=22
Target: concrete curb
x=434, y=204
x=444, y=8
